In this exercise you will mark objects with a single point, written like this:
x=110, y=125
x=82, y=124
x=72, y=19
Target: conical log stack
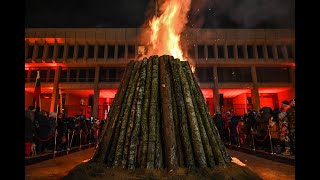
x=159, y=119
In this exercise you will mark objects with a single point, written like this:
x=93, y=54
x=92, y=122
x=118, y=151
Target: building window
x=60, y=51
x=43, y=75
x=240, y=52
x=260, y=51
x=103, y=74
x=220, y=51
x=121, y=51
x=80, y=51
x=113, y=74
x=33, y=75
x=91, y=51
x=250, y=52
x=82, y=75
x=50, y=51
x=210, y=51
x=51, y=75
x=230, y=51
x=40, y=52
x=204, y=74
x=70, y=51
x=63, y=75
x=280, y=51
x=270, y=52
x=273, y=74
x=290, y=51
x=131, y=51
x=91, y=74
x=101, y=51
x=73, y=75
x=111, y=49
x=200, y=51
x=30, y=51
x=191, y=53
x=234, y=74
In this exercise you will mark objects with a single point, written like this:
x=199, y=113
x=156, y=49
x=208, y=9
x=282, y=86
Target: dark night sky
x=132, y=13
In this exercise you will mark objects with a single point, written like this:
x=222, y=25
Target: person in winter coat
x=284, y=129
x=275, y=134
x=29, y=130
x=291, y=114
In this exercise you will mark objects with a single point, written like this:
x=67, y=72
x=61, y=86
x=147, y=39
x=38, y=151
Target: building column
x=292, y=79
x=96, y=94
x=215, y=49
x=255, y=89
x=206, y=52
x=55, y=91
x=126, y=52
x=216, y=90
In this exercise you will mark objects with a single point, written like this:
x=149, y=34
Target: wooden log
x=144, y=116
x=218, y=147
x=124, y=125
x=153, y=112
x=180, y=154
x=182, y=114
x=113, y=144
x=170, y=146
x=130, y=127
x=203, y=133
x=159, y=141
x=193, y=123
x=136, y=130
x=104, y=141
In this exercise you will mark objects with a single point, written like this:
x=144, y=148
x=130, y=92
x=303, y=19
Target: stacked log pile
x=159, y=120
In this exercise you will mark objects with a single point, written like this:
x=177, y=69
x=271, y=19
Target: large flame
x=166, y=29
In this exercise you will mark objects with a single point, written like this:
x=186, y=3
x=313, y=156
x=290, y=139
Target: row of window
x=204, y=74
x=113, y=74
x=243, y=74
x=69, y=51
x=213, y=51
x=244, y=51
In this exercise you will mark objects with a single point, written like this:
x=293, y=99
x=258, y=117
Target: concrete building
x=239, y=69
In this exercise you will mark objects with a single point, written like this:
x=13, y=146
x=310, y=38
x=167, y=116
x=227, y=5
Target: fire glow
x=166, y=29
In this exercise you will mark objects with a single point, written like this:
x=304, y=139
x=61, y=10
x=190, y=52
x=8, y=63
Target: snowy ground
x=59, y=167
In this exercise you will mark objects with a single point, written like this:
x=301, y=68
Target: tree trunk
x=170, y=146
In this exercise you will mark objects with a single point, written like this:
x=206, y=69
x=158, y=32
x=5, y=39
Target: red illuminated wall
x=72, y=105
x=240, y=104
x=266, y=100
x=210, y=104
x=28, y=99
x=285, y=95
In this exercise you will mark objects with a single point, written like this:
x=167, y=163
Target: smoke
x=241, y=13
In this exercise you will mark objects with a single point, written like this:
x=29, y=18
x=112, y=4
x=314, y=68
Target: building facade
x=81, y=69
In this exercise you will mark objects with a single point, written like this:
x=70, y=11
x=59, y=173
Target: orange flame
x=166, y=29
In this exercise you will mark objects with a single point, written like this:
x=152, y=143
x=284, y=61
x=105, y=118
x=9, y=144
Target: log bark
x=170, y=146
x=193, y=123
x=159, y=144
x=116, y=130
x=136, y=130
x=180, y=154
x=182, y=114
x=144, y=116
x=153, y=112
x=218, y=147
x=125, y=118
x=203, y=133
x=104, y=141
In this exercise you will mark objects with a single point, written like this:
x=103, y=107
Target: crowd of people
x=267, y=129
x=46, y=132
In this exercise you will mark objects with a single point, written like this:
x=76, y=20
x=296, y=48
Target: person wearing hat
x=291, y=114
x=284, y=130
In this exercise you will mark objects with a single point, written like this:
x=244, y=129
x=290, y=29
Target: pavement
x=60, y=166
